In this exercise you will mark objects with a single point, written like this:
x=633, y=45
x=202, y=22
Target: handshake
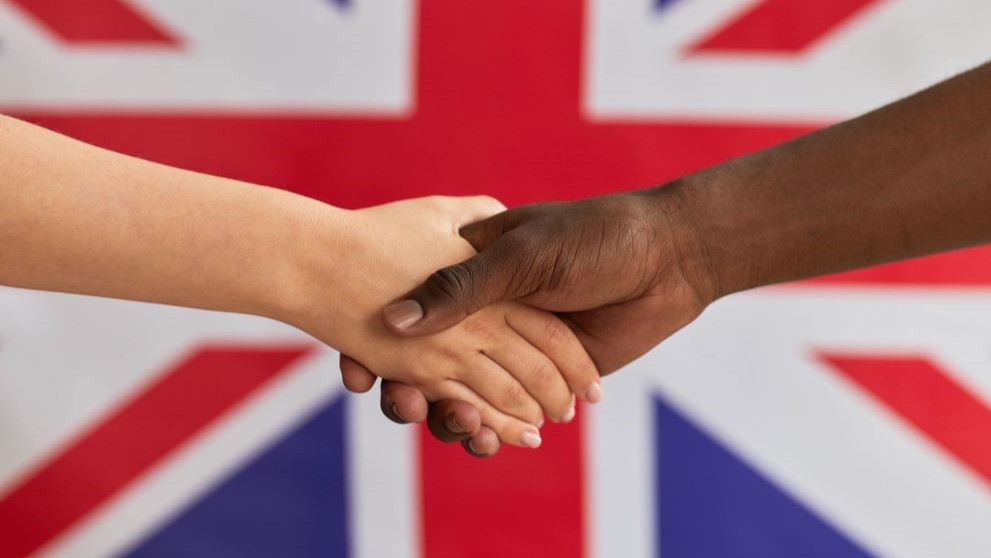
x=484, y=321
x=528, y=309
x=558, y=295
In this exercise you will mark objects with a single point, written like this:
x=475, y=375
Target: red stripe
x=511, y=71
x=498, y=110
x=781, y=26
x=520, y=101
x=88, y=22
x=519, y=503
x=120, y=448
x=928, y=399
x=954, y=269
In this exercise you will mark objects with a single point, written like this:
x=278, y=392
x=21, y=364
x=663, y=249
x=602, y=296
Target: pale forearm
x=83, y=220
x=80, y=219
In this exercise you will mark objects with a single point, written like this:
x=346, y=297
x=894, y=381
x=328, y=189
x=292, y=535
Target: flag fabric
x=842, y=417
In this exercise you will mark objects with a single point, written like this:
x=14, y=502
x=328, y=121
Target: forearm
x=79, y=219
x=911, y=179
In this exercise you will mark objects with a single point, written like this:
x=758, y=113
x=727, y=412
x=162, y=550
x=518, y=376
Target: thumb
x=453, y=293
x=481, y=234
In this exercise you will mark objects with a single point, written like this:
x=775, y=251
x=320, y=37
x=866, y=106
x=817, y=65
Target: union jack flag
x=843, y=417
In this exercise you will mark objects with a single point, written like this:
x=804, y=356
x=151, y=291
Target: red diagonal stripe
x=130, y=441
x=781, y=26
x=930, y=400
x=96, y=21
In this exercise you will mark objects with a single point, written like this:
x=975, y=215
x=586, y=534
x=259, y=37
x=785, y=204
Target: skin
x=627, y=271
x=79, y=219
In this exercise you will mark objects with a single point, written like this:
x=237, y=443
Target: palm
x=617, y=334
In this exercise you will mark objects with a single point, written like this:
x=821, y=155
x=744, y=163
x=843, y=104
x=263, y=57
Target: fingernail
x=404, y=313
x=471, y=448
x=531, y=440
x=594, y=393
x=540, y=424
x=570, y=415
x=451, y=423
x=397, y=414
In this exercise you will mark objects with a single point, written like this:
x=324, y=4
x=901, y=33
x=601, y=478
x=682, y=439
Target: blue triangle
x=290, y=502
x=713, y=505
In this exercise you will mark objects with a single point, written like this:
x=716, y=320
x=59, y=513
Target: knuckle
x=514, y=394
x=450, y=284
x=474, y=327
x=523, y=409
x=420, y=378
x=452, y=358
x=543, y=376
x=528, y=257
x=424, y=375
x=508, y=430
x=461, y=356
x=533, y=413
x=437, y=201
x=555, y=334
x=481, y=330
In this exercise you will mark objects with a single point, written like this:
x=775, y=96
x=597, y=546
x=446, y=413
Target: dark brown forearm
x=910, y=179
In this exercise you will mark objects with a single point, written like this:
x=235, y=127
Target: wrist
x=308, y=238
x=686, y=226
x=335, y=278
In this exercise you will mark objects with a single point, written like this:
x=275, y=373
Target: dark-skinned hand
x=906, y=180
x=623, y=271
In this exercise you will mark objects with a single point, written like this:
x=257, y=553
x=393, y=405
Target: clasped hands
x=558, y=295
x=534, y=304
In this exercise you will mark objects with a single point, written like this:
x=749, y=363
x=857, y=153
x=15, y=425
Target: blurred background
x=843, y=417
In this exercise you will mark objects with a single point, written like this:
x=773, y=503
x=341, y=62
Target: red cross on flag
x=844, y=417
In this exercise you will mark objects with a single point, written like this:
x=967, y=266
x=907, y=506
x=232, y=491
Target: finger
x=403, y=404
x=357, y=378
x=500, y=387
x=558, y=342
x=536, y=372
x=484, y=444
x=507, y=269
x=509, y=429
x=451, y=420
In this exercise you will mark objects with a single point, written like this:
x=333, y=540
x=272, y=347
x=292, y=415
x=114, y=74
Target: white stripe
x=81, y=356
x=65, y=360
x=385, y=499
x=202, y=463
x=637, y=67
x=620, y=481
x=286, y=56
